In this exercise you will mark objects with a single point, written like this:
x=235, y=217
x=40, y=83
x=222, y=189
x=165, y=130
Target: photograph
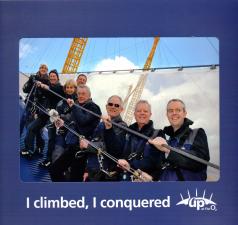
x=133, y=109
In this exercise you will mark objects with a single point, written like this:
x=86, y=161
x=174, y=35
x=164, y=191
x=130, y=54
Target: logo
x=199, y=203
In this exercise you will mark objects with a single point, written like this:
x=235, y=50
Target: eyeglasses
x=111, y=104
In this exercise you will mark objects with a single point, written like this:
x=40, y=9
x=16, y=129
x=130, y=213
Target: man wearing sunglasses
x=100, y=168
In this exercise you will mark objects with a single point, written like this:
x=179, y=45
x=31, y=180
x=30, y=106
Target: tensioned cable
x=212, y=45
x=100, y=150
x=213, y=66
x=171, y=52
x=179, y=151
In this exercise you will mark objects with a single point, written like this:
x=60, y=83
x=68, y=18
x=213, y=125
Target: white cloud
x=119, y=63
x=103, y=86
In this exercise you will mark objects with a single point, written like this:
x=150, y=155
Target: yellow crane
x=137, y=92
x=74, y=55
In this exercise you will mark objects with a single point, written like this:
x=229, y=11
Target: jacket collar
x=84, y=103
x=42, y=76
x=144, y=129
x=170, y=131
x=117, y=119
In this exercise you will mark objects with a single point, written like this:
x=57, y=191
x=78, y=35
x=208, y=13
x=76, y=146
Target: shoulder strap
x=191, y=136
x=155, y=133
x=189, y=140
x=140, y=149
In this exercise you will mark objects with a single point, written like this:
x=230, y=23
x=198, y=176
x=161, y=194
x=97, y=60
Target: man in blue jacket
x=83, y=123
x=137, y=152
x=177, y=167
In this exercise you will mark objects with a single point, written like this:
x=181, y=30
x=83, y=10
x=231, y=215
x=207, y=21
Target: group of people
x=80, y=126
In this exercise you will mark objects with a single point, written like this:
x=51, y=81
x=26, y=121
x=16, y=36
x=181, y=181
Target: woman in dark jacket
x=34, y=95
x=45, y=100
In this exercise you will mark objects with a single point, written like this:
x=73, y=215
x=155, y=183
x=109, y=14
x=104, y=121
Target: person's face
x=81, y=80
x=114, y=107
x=69, y=89
x=142, y=114
x=176, y=114
x=53, y=78
x=83, y=95
x=43, y=70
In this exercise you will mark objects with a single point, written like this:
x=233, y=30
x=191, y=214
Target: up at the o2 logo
x=200, y=203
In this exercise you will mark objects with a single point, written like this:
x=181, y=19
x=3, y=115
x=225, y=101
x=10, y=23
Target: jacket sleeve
x=83, y=118
x=152, y=158
x=199, y=148
x=28, y=85
x=114, y=139
x=57, y=89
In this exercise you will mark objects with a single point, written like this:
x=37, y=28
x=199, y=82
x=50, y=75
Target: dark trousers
x=60, y=146
x=34, y=130
x=51, y=141
x=64, y=162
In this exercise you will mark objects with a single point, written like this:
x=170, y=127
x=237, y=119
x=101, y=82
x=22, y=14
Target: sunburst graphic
x=186, y=201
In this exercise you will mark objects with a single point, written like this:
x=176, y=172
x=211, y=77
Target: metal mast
x=137, y=92
x=74, y=55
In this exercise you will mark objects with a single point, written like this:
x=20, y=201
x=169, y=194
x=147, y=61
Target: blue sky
x=170, y=52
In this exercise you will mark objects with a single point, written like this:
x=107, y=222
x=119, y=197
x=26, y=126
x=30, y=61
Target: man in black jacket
x=82, y=122
x=99, y=167
x=180, y=135
x=137, y=152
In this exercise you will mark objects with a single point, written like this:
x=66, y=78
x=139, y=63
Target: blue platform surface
x=30, y=171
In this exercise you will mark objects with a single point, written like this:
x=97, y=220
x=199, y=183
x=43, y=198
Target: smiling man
x=100, y=168
x=180, y=135
x=83, y=123
x=138, y=153
x=81, y=79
